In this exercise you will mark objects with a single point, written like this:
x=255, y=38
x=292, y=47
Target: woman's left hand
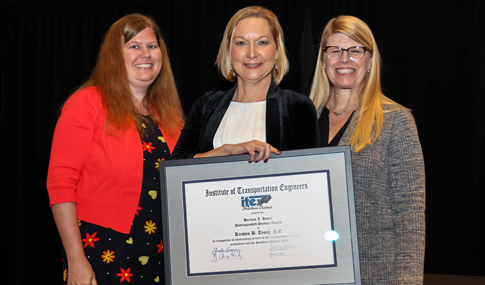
x=257, y=150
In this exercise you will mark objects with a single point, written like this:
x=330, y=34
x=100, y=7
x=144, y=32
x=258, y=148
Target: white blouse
x=242, y=122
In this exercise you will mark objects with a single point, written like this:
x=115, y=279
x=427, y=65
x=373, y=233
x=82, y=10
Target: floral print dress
x=137, y=257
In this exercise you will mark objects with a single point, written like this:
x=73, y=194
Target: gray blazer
x=389, y=188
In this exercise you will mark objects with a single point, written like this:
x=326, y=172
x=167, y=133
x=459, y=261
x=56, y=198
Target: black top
x=323, y=125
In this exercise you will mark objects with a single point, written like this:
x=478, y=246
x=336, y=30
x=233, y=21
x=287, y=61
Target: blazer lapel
x=216, y=113
x=274, y=120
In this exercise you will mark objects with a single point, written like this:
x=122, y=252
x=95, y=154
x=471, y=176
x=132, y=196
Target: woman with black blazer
x=255, y=116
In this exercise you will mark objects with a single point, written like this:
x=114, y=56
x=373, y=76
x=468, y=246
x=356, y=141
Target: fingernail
x=266, y=160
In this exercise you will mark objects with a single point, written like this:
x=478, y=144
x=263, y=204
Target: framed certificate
x=288, y=221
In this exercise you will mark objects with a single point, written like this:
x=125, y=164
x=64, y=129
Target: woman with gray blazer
x=387, y=161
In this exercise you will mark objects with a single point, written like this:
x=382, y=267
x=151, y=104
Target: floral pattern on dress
x=90, y=239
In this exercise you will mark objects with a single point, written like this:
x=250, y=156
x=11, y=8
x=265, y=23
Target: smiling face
x=253, y=50
x=143, y=60
x=344, y=73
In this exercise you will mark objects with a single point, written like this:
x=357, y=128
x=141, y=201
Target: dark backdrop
x=433, y=63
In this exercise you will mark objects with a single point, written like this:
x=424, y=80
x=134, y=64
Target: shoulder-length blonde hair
x=224, y=57
x=371, y=114
x=111, y=76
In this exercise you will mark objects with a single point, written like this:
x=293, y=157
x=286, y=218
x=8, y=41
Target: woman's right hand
x=257, y=150
x=80, y=273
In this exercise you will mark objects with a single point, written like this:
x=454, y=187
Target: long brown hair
x=111, y=77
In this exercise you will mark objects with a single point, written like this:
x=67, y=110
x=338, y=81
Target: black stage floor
x=441, y=279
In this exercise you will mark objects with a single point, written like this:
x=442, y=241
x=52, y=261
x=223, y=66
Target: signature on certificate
x=226, y=253
x=283, y=246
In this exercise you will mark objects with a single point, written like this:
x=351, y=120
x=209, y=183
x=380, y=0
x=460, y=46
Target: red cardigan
x=99, y=172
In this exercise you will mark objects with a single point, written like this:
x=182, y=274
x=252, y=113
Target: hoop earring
x=276, y=65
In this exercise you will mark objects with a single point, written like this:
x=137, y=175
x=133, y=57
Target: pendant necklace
x=343, y=112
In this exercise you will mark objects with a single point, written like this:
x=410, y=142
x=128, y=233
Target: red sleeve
x=71, y=144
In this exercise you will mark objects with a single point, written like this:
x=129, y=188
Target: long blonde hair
x=111, y=77
x=224, y=56
x=371, y=114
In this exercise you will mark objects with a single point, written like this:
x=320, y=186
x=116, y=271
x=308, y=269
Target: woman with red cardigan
x=103, y=172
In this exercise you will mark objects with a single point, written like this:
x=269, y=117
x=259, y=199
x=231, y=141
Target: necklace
x=343, y=112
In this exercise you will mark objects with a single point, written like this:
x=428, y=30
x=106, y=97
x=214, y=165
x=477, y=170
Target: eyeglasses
x=355, y=53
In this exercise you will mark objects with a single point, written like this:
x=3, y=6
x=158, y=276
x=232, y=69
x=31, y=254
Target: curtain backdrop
x=433, y=64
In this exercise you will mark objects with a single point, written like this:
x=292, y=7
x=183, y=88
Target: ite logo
x=252, y=201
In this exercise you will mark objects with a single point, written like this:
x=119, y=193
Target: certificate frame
x=177, y=175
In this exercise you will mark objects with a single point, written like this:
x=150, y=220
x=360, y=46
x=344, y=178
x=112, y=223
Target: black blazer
x=291, y=121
